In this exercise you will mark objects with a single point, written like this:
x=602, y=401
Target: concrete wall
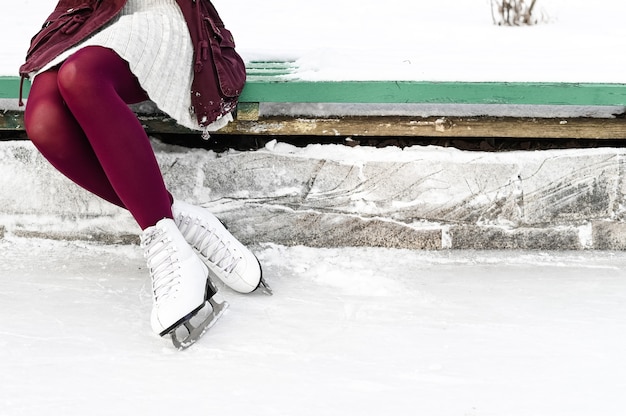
x=417, y=198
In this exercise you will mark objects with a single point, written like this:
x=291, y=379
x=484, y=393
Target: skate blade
x=195, y=331
x=265, y=288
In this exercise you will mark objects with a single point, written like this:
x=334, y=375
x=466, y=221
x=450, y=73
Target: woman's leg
x=96, y=86
x=57, y=135
x=79, y=116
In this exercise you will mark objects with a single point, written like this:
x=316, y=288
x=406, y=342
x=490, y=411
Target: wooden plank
x=469, y=127
x=269, y=70
x=270, y=82
x=383, y=126
x=10, y=87
x=11, y=121
x=389, y=92
x=259, y=89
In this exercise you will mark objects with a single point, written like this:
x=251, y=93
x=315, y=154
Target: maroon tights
x=77, y=116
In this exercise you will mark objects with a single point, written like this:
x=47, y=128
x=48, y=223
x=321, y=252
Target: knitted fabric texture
x=152, y=36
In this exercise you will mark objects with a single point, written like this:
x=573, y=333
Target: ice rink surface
x=347, y=332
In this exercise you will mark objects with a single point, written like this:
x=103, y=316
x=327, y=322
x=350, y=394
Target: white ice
x=348, y=332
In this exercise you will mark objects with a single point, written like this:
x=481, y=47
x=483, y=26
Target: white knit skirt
x=152, y=36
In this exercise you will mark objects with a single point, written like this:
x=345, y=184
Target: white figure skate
x=227, y=259
x=180, y=285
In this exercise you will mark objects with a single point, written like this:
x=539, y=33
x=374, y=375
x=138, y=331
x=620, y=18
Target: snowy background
x=399, y=39
x=349, y=331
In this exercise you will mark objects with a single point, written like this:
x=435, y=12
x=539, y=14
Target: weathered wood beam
x=390, y=126
x=11, y=120
x=471, y=127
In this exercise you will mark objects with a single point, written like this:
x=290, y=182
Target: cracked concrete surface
x=329, y=196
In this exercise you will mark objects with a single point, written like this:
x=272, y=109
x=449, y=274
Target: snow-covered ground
x=348, y=332
x=399, y=39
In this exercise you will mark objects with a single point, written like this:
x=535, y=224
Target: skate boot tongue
x=180, y=280
x=160, y=256
x=211, y=246
x=226, y=257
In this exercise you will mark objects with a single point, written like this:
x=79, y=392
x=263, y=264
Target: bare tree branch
x=513, y=12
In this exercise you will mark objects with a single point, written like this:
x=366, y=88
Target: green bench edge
x=260, y=89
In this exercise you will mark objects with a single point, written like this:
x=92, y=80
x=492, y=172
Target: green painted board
x=389, y=92
x=270, y=85
x=10, y=87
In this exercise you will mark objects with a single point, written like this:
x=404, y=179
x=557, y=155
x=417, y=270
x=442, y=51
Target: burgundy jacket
x=219, y=72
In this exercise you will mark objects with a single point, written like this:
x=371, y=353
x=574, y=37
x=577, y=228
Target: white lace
x=208, y=243
x=162, y=262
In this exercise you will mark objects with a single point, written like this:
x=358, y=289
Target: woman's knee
x=94, y=70
x=35, y=120
x=47, y=121
x=46, y=124
x=74, y=76
x=86, y=68
x=43, y=103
